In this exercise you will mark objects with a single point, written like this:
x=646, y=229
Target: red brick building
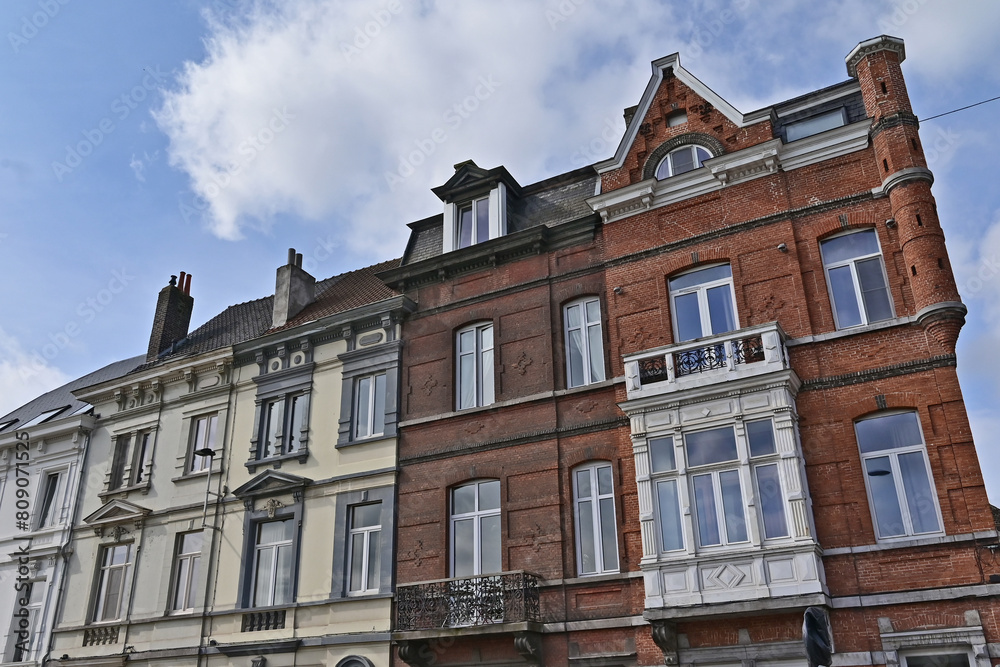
x=655, y=409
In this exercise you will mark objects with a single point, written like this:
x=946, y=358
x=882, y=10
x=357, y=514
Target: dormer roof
x=470, y=179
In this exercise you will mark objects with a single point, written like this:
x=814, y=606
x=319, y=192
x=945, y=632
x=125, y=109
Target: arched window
x=475, y=529
x=594, y=512
x=584, y=342
x=682, y=160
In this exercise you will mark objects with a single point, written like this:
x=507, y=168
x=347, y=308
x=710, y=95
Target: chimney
x=172, y=317
x=294, y=290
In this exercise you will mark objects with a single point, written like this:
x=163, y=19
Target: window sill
x=123, y=491
x=364, y=441
x=275, y=461
x=911, y=542
x=191, y=476
x=852, y=331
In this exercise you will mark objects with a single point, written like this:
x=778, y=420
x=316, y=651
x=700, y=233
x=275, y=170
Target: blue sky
x=138, y=140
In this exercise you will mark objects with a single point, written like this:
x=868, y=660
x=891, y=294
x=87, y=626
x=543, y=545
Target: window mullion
x=904, y=507
x=857, y=291
x=595, y=509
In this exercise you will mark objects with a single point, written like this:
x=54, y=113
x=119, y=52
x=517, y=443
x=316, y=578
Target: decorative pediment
x=272, y=483
x=116, y=515
x=470, y=177
x=759, y=160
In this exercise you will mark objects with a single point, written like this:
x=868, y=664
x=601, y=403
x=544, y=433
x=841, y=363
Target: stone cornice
x=870, y=46
x=907, y=175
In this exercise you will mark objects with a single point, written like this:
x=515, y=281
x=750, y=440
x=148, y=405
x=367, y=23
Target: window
x=815, y=124
x=715, y=483
x=897, y=475
x=938, y=660
x=475, y=366
x=584, y=343
x=132, y=463
x=364, y=564
x=856, y=279
x=186, y=562
x=369, y=408
x=27, y=596
x=49, y=510
x=703, y=303
x=596, y=525
x=475, y=529
x=202, y=437
x=273, y=566
x=111, y=582
x=682, y=160
x=473, y=223
x=282, y=426
x=44, y=417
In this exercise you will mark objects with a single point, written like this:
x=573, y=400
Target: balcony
x=468, y=602
x=706, y=361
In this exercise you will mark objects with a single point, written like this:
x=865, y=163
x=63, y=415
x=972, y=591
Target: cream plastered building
x=243, y=513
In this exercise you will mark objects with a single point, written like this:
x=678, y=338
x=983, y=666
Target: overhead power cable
x=992, y=99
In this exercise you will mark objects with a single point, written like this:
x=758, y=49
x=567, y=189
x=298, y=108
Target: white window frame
x=893, y=456
x=592, y=469
x=208, y=438
x=477, y=517
x=592, y=356
x=186, y=571
x=275, y=548
x=368, y=399
x=472, y=206
x=485, y=387
x=852, y=264
x=701, y=289
x=103, y=572
x=363, y=533
x=289, y=405
x=668, y=162
x=50, y=507
x=17, y=651
x=814, y=121
x=904, y=656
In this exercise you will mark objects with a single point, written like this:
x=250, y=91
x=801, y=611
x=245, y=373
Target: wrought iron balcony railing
x=507, y=597
x=747, y=351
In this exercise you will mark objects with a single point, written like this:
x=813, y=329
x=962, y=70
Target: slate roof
x=63, y=396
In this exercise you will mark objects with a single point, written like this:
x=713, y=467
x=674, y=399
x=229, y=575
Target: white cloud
x=23, y=376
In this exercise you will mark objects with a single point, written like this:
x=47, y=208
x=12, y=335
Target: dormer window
x=682, y=160
x=807, y=127
x=473, y=223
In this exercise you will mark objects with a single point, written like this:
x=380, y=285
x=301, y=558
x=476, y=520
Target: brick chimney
x=293, y=291
x=172, y=317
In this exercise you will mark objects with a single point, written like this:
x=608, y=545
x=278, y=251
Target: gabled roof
x=469, y=177
x=271, y=482
x=672, y=64
x=114, y=512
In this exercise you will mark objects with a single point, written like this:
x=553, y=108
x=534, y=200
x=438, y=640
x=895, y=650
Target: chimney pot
x=291, y=256
x=298, y=259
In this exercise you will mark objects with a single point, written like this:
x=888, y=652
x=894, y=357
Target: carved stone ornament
x=271, y=506
x=665, y=637
x=529, y=645
x=415, y=653
x=259, y=661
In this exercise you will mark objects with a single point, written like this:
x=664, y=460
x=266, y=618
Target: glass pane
x=489, y=495
x=486, y=334
x=605, y=484
x=704, y=500
x=663, y=170
x=271, y=532
x=487, y=378
x=467, y=381
x=357, y=561
x=919, y=492
x=200, y=428
x=213, y=423
x=701, y=155
x=588, y=550
x=119, y=555
x=701, y=276
x=889, y=432
x=688, y=317
x=596, y=346
x=482, y=220
x=720, y=309
x=847, y=247
x=670, y=515
x=681, y=161
x=262, y=578
x=463, y=546
x=732, y=506
x=191, y=543
x=661, y=454
x=761, y=437
x=772, y=507
x=573, y=316
x=713, y=446
x=46, y=517
x=888, y=516
x=575, y=358
x=593, y=311
x=364, y=393
x=810, y=126
x=283, y=583
x=467, y=341
x=378, y=418
x=192, y=586
x=845, y=301
x=874, y=292
x=583, y=489
x=464, y=499
x=465, y=227
x=609, y=534
x=296, y=423
x=363, y=516
x=490, y=550
x=113, y=592
x=374, y=560
x=945, y=660
x=180, y=585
